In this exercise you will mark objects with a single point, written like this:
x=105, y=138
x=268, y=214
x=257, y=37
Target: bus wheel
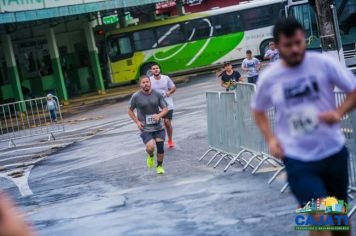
x=146, y=69
x=264, y=47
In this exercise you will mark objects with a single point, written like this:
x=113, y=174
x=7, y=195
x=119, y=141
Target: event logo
x=323, y=214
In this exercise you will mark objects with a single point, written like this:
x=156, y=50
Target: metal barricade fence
x=222, y=126
x=348, y=127
x=29, y=118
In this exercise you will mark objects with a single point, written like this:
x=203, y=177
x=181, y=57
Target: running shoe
x=150, y=161
x=170, y=144
x=160, y=170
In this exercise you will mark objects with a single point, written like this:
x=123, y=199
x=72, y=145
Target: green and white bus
x=199, y=40
x=346, y=14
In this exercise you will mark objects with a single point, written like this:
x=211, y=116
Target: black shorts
x=148, y=136
x=319, y=179
x=252, y=79
x=169, y=115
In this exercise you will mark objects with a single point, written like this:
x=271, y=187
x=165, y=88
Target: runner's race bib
x=303, y=121
x=150, y=120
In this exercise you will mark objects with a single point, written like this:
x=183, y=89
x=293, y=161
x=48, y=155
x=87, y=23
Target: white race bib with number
x=303, y=120
x=150, y=120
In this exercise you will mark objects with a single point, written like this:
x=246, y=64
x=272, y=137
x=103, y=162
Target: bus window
x=169, y=35
x=119, y=47
x=198, y=29
x=258, y=17
x=226, y=24
x=347, y=22
x=306, y=16
x=144, y=39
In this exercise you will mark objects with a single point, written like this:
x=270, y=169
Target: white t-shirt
x=299, y=94
x=163, y=85
x=273, y=54
x=251, y=65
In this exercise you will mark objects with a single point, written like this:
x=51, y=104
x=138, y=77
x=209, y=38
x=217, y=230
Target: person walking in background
x=165, y=86
x=229, y=77
x=308, y=135
x=272, y=53
x=151, y=108
x=52, y=107
x=251, y=66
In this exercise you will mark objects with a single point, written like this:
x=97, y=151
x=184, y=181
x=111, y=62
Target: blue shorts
x=318, y=179
x=148, y=136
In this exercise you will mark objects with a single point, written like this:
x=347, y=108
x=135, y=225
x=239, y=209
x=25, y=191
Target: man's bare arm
x=171, y=91
x=348, y=105
x=163, y=112
x=262, y=123
x=134, y=118
x=333, y=117
x=273, y=144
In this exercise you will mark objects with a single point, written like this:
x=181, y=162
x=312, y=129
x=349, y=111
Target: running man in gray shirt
x=148, y=104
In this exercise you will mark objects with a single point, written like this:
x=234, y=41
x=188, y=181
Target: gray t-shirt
x=146, y=106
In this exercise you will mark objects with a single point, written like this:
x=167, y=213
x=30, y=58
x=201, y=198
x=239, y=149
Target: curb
x=77, y=109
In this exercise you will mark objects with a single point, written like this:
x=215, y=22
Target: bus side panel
x=254, y=38
x=196, y=54
x=126, y=70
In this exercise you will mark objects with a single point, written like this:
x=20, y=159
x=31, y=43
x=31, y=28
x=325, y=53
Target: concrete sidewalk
x=112, y=95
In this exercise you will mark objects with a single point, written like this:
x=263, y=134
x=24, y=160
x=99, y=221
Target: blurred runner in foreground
x=12, y=222
x=308, y=136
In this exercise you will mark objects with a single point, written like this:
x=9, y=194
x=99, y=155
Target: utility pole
x=180, y=8
x=328, y=27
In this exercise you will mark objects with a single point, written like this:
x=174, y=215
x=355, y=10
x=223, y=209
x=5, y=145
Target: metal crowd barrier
x=234, y=135
x=28, y=118
x=348, y=127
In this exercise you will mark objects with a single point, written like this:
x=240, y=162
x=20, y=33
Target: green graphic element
x=187, y=58
x=319, y=206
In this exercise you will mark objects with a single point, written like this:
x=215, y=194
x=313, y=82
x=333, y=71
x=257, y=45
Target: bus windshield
x=346, y=10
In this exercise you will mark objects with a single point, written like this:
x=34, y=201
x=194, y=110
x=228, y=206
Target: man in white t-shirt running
x=251, y=65
x=307, y=137
x=165, y=86
x=272, y=53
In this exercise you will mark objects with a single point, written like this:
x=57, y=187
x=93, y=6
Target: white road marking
x=21, y=182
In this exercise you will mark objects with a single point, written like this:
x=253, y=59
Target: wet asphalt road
x=96, y=181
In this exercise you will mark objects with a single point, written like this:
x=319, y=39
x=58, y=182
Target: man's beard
x=290, y=62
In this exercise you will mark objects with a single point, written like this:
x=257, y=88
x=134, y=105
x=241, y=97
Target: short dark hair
x=155, y=64
x=286, y=26
x=249, y=52
x=226, y=63
x=143, y=77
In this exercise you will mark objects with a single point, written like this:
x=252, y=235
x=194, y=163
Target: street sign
x=112, y=19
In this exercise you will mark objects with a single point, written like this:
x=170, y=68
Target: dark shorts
x=252, y=79
x=318, y=179
x=169, y=115
x=148, y=136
